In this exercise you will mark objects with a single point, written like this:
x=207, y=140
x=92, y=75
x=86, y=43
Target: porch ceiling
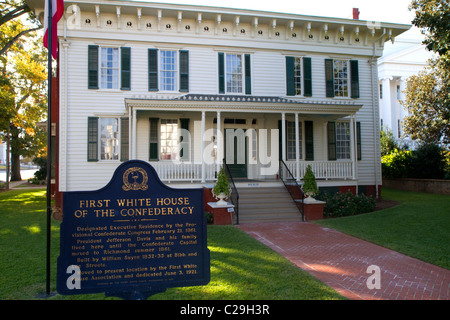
x=240, y=103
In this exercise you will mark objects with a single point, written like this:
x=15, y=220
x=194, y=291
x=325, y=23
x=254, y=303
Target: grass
x=418, y=227
x=241, y=267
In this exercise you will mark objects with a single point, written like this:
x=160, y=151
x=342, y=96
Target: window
x=104, y=139
x=340, y=69
x=168, y=70
x=342, y=140
x=298, y=76
x=109, y=139
x=234, y=73
x=381, y=91
x=109, y=68
x=233, y=76
x=169, y=139
x=290, y=140
x=342, y=78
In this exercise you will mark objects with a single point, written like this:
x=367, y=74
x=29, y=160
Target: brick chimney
x=356, y=13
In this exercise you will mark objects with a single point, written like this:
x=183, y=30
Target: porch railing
x=183, y=171
x=324, y=169
x=290, y=182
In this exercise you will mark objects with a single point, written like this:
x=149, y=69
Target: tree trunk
x=15, y=167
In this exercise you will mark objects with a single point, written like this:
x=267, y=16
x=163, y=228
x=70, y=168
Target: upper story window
x=342, y=78
x=298, y=76
x=234, y=73
x=168, y=70
x=168, y=73
x=109, y=68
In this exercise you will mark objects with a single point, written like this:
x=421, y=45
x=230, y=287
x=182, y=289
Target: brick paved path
x=342, y=262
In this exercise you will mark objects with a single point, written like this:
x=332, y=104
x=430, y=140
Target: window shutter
x=153, y=148
x=92, y=152
x=358, y=140
x=184, y=152
x=307, y=77
x=184, y=71
x=152, y=69
x=331, y=133
x=329, y=78
x=354, y=78
x=125, y=67
x=221, y=72
x=92, y=67
x=309, y=141
x=248, y=78
x=124, y=141
x=290, y=76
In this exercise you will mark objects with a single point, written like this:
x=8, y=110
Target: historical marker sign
x=133, y=238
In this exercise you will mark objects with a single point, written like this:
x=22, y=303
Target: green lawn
x=241, y=267
x=419, y=227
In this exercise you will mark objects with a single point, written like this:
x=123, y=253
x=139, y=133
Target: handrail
x=234, y=197
x=298, y=201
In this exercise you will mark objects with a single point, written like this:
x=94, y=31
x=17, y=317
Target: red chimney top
x=355, y=13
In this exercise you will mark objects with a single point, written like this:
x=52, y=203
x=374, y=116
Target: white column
x=352, y=145
x=134, y=134
x=283, y=137
x=203, y=147
x=219, y=141
x=297, y=147
x=386, y=109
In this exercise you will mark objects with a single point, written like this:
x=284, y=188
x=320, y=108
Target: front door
x=236, y=152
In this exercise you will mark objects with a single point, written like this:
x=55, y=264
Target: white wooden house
x=132, y=74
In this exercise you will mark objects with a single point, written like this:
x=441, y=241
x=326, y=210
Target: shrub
x=397, y=164
x=309, y=182
x=346, y=204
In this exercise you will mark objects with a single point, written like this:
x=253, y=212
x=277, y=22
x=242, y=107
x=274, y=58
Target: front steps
x=266, y=204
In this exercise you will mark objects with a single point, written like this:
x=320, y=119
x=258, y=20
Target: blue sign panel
x=133, y=238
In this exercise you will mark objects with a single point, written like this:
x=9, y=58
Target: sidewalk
x=341, y=262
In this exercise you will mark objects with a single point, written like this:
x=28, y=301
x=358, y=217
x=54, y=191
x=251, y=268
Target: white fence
x=183, y=171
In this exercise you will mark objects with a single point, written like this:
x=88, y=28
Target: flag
x=57, y=12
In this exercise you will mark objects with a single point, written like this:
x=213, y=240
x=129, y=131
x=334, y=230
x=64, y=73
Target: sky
x=395, y=11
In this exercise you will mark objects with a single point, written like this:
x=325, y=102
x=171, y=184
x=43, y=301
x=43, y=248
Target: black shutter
x=331, y=134
x=354, y=78
x=184, y=71
x=329, y=78
x=307, y=77
x=248, y=78
x=92, y=67
x=92, y=137
x=221, y=72
x=152, y=69
x=290, y=76
x=153, y=147
x=124, y=139
x=125, y=68
x=309, y=141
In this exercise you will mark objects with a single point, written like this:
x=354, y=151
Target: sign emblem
x=135, y=179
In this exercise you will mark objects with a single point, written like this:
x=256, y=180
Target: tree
x=428, y=93
x=427, y=101
x=23, y=97
x=10, y=10
x=433, y=17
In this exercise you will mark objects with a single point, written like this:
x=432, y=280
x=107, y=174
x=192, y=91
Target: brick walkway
x=342, y=262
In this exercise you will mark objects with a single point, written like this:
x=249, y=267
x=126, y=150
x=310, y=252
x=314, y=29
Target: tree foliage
x=23, y=87
x=428, y=93
x=10, y=11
